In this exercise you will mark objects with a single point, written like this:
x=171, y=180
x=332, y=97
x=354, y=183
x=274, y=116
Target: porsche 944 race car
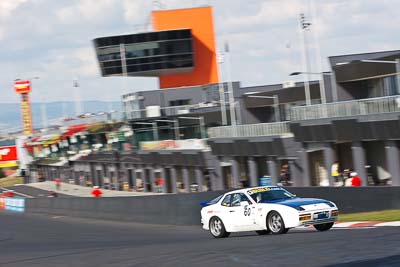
x=267, y=209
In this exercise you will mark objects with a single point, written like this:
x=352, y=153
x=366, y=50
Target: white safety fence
x=347, y=108
x=247, y=130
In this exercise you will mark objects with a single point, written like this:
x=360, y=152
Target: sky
x=52, y=40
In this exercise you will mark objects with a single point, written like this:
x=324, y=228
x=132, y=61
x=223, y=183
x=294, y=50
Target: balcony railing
x=247, y=130
x=116, y=116
x=347, y=108
x=168, y=111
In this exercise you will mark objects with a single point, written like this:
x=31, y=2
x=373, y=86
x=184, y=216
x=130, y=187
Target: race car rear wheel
x=323, y=227
x=275, y=223
x=217, y=228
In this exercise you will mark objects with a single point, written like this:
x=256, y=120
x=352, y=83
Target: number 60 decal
x=247, y=211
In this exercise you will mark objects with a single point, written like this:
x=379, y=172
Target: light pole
x=396, y=61
x=276, y=103
x=154, y=125
x=201, y=123
x=221, y=89
x=78, y=103
x=176, y=127
x=230, y=87
x=305, y=26
x=321, y=85
x=222, y=103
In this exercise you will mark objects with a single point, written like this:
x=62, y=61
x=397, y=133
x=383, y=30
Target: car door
x=243, y=212
x=226, y=213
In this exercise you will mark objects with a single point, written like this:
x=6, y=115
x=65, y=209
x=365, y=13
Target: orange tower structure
x=24, y=88
x=200, y=22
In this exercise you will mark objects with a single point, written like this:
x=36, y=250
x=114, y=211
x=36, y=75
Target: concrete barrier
x=184, y=209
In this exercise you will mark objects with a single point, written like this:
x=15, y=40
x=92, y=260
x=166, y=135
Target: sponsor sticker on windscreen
x=262, y=189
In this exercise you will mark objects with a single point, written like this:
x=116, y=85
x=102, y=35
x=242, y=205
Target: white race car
x=267, y=209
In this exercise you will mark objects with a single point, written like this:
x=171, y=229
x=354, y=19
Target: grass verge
x=10, y=181
x=384, y=216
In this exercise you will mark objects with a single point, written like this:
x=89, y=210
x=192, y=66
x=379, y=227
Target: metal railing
x=247, y=130
x=367, y=106
x=170, y=111
x=116, y=116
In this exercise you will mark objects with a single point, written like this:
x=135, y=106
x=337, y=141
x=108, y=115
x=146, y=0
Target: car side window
x=243, y=197
x=227, y=201
x=235, y=202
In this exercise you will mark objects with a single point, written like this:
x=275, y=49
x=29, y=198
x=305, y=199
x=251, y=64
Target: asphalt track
x=45, y=240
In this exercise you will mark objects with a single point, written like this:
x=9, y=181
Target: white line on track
x=396, y=223
x=344, y=224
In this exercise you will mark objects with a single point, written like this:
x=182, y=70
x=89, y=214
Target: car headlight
x=305, y=217
x=334, y=213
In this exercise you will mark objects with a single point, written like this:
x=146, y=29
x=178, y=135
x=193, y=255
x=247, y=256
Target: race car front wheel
x=323, y=227
x=217, y=228
x=275, y=223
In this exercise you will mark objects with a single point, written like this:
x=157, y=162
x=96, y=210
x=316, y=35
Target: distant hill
x=10, y=115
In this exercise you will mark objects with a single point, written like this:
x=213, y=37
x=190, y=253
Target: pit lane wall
x=184, y=209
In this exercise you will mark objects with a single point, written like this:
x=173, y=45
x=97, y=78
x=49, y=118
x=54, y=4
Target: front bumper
x=329, y=216
x=320, y=221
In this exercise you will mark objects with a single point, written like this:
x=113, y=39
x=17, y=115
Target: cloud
x=8, y=6
x=89, y=11
x=270, y=14
x=54, y=39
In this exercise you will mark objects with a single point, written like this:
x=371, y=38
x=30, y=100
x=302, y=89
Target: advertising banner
x=174, y=144
x=8, y=153
x=26, y=115
x=15, y=204
x=8, y=164
x=22, y=87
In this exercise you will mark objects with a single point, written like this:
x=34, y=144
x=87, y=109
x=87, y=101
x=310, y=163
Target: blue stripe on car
x=297, y=202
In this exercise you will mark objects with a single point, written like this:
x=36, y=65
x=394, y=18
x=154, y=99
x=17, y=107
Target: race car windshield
x=272, y=195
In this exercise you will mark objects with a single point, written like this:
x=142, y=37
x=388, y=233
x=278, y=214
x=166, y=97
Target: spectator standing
x=335, y=172
x=346, y=177
x=356, y=180
x=284, y=175
x=107, y=182
x=88, y=183
x=58, y=184
x=160, y=183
